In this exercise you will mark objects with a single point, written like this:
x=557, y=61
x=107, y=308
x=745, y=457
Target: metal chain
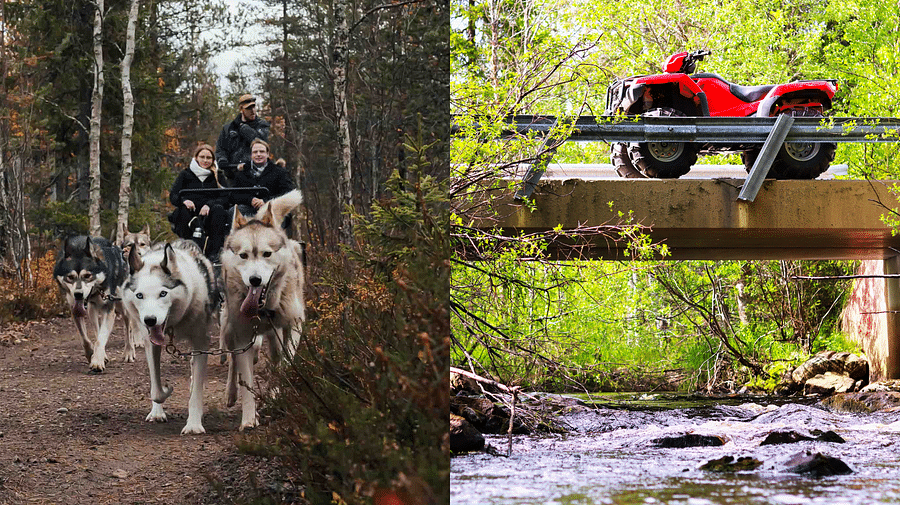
x=171, y=349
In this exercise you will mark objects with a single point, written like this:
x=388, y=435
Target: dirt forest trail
x=69, y=436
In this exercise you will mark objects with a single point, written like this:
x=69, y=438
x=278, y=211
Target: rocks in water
x=829, y=383
x=888, y=385
x=688, y=440
x=784, y=437
x=829, y=436
x=493, y=418
x=816, y=465
x=728, y=464
x=462, y=384
x=482, y=413
x=828, y=372
x=463, y=437
x=844, y=363
x=804, y=463
x=790, y=437
x=863, y=402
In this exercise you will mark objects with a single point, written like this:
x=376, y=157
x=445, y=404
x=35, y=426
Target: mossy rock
x=865, y=403
x=728, y=464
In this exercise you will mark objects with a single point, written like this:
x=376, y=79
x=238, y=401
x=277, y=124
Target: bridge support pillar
x=892, y=335
x=872, y=317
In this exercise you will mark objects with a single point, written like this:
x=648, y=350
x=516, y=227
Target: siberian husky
x=140, y=239
x=263, y=276
x=172, y=292
x=142, y=242
x=90, y=272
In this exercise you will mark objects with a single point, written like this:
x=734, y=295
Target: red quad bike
x=679, y=92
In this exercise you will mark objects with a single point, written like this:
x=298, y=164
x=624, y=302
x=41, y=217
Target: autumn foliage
x=361, y=412
x=35, y=297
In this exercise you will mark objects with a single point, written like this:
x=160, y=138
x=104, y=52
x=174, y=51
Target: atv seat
x=748, y=94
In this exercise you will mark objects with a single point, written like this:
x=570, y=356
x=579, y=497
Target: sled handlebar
x=255, y=191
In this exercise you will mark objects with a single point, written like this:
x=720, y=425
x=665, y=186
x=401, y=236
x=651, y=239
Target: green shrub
x=363, y=406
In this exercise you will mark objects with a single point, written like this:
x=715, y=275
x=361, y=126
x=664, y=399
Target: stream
x=612, y=456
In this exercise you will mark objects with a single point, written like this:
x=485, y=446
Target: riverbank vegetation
x=619, y=326
x=520, y=318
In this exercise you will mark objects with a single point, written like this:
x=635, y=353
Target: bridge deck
x=702, y=219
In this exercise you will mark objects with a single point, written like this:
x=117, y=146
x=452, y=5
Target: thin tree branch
x=381, y=7
x=843, y=277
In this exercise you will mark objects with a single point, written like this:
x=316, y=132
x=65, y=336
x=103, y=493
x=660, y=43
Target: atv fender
x=814, y=91
x=687, y=88
x=633, y=94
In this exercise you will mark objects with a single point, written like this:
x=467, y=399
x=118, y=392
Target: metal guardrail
x=705, y=129
x=769, y=131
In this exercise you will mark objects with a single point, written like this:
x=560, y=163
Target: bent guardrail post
x=537, y=169
x=766, y=156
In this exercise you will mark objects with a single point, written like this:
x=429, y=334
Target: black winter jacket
x=233, y=146
x=188, y=180
x=275, y=178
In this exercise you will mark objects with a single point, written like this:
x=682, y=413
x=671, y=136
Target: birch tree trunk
x=20, y=244
x=339, y=60
x=5, y=210
x=96, y=113
x=127, y=121
x=494, y=12
x=14, y=242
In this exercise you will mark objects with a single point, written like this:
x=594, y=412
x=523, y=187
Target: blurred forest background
x=284, y=53
x=520, y=318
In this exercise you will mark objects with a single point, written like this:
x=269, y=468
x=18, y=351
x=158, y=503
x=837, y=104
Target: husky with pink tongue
x=172, y=291
x=262, y=271
x=90, y=272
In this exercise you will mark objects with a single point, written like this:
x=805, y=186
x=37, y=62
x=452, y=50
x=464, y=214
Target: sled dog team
x=168, y=294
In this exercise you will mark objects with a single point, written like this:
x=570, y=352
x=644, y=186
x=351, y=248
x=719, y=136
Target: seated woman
x=199, y=217
x=261, y=171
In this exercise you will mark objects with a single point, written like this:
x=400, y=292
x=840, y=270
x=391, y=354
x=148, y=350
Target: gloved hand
x=248, y=132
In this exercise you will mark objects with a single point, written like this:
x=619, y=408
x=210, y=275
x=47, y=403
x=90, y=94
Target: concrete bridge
x=702, y=219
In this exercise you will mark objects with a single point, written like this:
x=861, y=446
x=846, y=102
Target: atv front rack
x=769, y=131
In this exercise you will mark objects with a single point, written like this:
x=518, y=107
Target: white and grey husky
x=172, y=292
x=90, y=272
x=263, y=281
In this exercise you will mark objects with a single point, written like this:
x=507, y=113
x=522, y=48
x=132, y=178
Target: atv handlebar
x=699, y=54
x=689, y=65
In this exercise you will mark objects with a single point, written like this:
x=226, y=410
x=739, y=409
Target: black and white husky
x=90, y=272
x=172, y=292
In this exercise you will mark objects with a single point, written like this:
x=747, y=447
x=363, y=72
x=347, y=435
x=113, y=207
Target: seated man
x=261, y=171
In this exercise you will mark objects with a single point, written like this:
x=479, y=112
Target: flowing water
x=611, y=458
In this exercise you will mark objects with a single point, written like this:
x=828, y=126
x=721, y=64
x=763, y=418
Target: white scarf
x=200, y=172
